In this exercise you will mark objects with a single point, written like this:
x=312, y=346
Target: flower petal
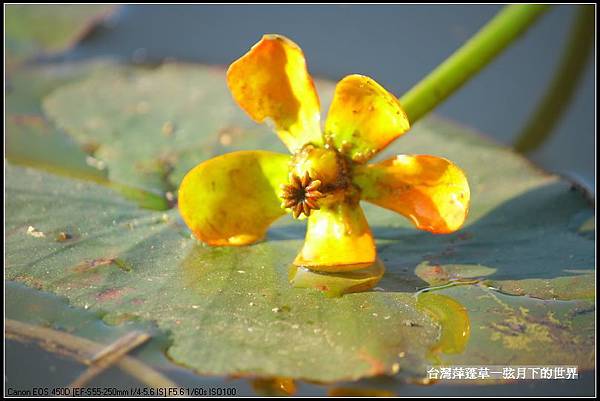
x=363, y=118
x=338, y=238
x=272, y=81
x=431, y=191
x=232, y=199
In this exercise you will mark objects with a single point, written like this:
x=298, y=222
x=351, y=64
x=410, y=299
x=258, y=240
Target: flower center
x=318, y=177
x=302, y=195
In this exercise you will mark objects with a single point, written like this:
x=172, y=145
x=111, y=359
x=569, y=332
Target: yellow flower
x=233, y=199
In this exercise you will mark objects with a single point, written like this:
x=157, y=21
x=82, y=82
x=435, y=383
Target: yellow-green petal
x=271, y=81
x=233, y=199
x=363, y=118
x=431, y=191
x=338, y=238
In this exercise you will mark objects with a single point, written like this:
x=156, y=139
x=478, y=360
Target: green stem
x=495, y=36
x=565, y=80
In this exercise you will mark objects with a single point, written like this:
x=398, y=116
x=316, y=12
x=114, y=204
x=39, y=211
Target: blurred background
x=397, y=45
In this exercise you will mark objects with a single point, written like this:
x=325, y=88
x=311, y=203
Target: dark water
x=395, y=44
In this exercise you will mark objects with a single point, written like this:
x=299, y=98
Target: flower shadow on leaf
x=522, y=238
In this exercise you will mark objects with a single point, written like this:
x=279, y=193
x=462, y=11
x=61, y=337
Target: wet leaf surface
x=31, y=140
x=46, y=310
x=251, y=321
x=153, y=126
x=232, y=310
x=511, y=330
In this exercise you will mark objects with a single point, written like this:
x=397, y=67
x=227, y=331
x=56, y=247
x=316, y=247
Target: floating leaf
x=577, y=286
x=437, y=275
x=152, y=126
x=511, y=330
x=32, y=141
x=251, y=321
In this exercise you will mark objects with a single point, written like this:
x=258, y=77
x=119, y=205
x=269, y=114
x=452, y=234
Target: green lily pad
x=33, y=29
x=511, y=330
x=32, y=141
x=577, y=286
x=138, y=263
x=233, y=310
x=152, y=126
